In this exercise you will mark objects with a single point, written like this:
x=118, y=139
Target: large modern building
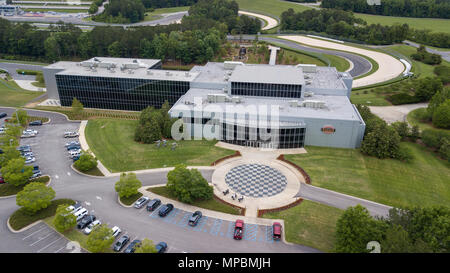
x=276, y=106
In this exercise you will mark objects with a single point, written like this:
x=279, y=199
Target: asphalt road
x=445, y=54
x=99, y=197
x=12, y=70
x=361, y=65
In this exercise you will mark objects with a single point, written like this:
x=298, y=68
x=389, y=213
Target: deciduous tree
x=35, y=196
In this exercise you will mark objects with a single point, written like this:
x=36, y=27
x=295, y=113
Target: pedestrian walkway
x=273, y=54
x=25, y=84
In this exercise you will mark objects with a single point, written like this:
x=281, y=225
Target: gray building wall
x=50, y=81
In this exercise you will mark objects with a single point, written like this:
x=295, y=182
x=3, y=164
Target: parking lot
x=43, y=239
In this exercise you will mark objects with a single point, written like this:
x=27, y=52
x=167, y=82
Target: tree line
x=157, y=4
x=406, y=8
x=344, y=24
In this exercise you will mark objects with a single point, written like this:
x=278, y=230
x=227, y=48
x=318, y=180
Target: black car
x=85, y=221
x=121, y=243
x=153, y=204
x=165, y=209
x=35, y=123
x=3, y=114
x=24, y=148
x=161, y=247
x=193, y=221
x=132, y=246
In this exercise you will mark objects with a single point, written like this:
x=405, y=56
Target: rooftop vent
x=231, y=65
x=187, y=74
x=309, y=94
x=309, y=68
x=168, y=73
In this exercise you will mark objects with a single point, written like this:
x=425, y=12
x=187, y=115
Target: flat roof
x=143, y=71
x=336, y=107
x=276, y=74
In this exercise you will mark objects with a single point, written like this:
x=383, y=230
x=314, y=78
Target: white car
x=72, y=143
x=30, y=131
x=26, y=135
x=71, y=134
x=116, y=231
x=91, y=226
x=29, y=160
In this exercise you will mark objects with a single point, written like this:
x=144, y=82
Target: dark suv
x=165, y=209
x=153, y=204
x=35, y=123
x=121, y=243
x=132, y=246
x=3, y=114
x=85, y=221
x=193, y=221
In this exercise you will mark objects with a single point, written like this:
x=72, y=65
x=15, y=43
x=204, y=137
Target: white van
x=74, y=153
x=81, y=213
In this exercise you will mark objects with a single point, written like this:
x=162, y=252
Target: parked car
x=73, y=147
x=87, y=219
x=75, y=153
x=165, y=209
x=2, y=130
x=121, y=243
x=238, y=229
x=276, y=229
x=2, y=180
x=193, y=220
x=36, y=174
x=141, y=202
x=27, y=135
x=161, y=247
x=132, y=246
x=3, y=114
x=153, y=204
x=30, y=131
x=28, y=154
x=72, y=143
x=74, y=208
x=91, y=227
x=75, y=157
x=35, y=123
x=24, y=148
x=71, y=134
x=29, y=160
x=116, y=231
x=81, y=213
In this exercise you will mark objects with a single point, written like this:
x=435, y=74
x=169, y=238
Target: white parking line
x=49, y=244
x=68, y=173
x=33, y=233
x=41, y=239
x=59, y=249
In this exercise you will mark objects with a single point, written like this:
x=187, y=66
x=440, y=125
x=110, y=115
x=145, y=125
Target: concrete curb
x=81, y=173
x=22, y=229
x=122, y=204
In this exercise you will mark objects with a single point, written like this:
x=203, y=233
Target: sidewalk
x=24, y=84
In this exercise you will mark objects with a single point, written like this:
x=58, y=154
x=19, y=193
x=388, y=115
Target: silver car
x=141, y=202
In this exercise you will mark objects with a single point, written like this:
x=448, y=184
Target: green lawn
x=113, y=144
x=128, y=201
x=423, y=182
x=212, y=204
x=7, y=189
x=413, y=119
x=269, y=7
x=94, y=171
x=369, y=98
x=12, y=95
x=310, y=224
x=20, y=218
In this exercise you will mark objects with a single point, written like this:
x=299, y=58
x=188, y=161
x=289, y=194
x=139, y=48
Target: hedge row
x=403, y=98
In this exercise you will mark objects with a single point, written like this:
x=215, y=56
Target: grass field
x=20, y=218
x=212, y=204
x=113, y=144
x=424, y=181
x=276, y=7
x=310, y=224
x=368, y=97
x=12, y=95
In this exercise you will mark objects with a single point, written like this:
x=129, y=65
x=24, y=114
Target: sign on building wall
x=328, y=129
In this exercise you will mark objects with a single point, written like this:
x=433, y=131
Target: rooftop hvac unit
x=149, y=72
x=309, y=68
x=309, y=94
x=236, y=99
x=307, y=77
x=212, y=98
x=107, y=65
x=130, y=71
x=187, y=102
x=308, y=82
x=293, y=103
x=168, y=73
x=187, y=74
x=231, y=65
x=226, y=78
x=313, y=104
x=130, y=65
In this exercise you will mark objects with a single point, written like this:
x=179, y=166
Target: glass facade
x=283, y=138
x=118, y=93
x=266, y=90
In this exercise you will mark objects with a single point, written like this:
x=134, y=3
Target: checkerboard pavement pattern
x=255, y=180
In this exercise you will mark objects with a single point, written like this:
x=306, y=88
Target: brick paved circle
x=255, y=180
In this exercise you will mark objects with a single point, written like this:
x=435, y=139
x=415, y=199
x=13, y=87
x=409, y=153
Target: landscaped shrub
x=441, y=116
x=443, y=72
x=86, y=162
x=382, y=142
x=403, y=98
x=434, y=138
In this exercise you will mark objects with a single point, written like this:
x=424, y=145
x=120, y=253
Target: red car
x=238, y=229
x=276, y=228
x=2, y=181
